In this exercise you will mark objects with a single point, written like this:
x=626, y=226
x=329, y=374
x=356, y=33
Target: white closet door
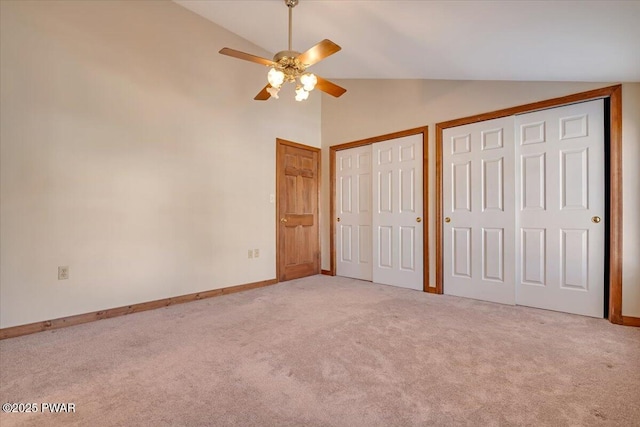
x=478, y=203
x=560, y=200
x=353, y=229
x=397, y=214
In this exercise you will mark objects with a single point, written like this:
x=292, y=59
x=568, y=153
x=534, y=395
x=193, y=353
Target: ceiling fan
x=290, y=66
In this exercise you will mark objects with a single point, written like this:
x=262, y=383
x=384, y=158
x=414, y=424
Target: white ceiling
x=456, y=40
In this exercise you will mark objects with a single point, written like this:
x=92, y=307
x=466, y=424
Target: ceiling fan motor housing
x=287, y=62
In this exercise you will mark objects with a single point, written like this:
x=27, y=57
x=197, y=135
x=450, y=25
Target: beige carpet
x=326, y=351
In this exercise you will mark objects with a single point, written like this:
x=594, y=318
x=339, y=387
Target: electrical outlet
x=250, y=254
x=63, y=272
x=256, y=253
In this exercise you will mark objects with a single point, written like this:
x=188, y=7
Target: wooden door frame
x=424, y=130
x=279, y=173
x=614, y=94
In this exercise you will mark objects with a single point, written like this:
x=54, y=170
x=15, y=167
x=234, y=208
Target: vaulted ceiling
x=460, y=40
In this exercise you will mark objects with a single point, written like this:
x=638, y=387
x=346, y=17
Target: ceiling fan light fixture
x=289, y=66
x=309, y=81
x=275, y=77
x=301, y=94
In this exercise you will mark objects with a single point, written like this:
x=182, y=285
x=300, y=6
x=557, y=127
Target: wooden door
x=560, y=201
x=398, y=212
x=297, y=168
x=353, y=213
x=478, y=206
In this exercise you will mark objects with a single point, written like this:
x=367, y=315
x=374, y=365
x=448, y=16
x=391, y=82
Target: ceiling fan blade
x=318, y=52
x=329, y=87
x=246, y=56
x=263, y=95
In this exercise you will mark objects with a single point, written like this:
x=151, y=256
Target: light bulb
x=301, y=94
x=273, y=91
x=275, y=78
x=308, y=81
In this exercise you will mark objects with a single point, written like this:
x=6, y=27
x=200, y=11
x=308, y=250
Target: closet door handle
x=447, y=219
x=418, y=219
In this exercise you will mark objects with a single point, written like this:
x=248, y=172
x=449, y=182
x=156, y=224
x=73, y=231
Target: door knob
x=338, y=219
x=283, y=220
x=596, y=219
x=418, y=219
x=447, y=219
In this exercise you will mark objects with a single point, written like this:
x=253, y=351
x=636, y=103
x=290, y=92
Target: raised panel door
x=397, y=212
x=298, y=237
x=353, y=213
x=478, y=203
x=562, y=213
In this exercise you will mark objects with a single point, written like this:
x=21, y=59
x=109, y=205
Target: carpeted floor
x=327, y=351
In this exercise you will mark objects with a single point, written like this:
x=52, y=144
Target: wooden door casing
x=297, y=184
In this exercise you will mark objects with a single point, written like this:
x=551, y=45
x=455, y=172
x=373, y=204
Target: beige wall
x=134, y=153
x=376, y=107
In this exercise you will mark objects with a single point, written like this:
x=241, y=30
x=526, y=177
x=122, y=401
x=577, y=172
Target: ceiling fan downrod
x=290, y=4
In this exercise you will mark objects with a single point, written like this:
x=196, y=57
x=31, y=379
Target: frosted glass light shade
x=273, y=91
x=275, y=77
x=301, y=94
x=308, y=81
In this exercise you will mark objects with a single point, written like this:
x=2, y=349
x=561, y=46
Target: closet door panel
x=354, y=213
x=478, y=201
x=397, y=214
x=561, y=215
